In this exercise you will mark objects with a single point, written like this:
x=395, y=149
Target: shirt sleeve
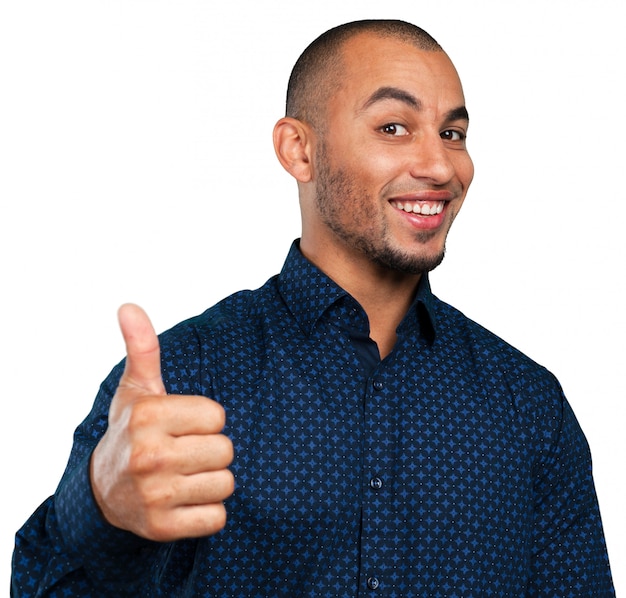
x=569, y=552
x=66, y=547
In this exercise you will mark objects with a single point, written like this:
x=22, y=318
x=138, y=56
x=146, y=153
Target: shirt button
x=378, y=385
x=372, y=583
x=376, y=483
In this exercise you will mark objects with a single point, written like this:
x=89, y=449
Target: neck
x=384, y=294
x=385, y=302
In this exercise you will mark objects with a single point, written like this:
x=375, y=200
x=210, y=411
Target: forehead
x=370, y=62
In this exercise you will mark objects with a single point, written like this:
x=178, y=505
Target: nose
x=431, y=160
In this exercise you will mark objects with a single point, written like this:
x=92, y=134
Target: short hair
x=317, y=72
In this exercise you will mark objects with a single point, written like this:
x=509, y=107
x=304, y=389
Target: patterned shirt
x=453, y=468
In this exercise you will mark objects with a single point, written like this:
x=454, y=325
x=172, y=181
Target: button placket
x=376, y=447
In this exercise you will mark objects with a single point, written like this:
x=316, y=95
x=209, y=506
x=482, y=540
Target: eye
x=394, y=130
x=453, y=135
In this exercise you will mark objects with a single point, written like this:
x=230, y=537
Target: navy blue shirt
x=453, y=468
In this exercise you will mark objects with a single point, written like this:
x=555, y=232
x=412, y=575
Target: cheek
x=379, y=172
x=465, y=170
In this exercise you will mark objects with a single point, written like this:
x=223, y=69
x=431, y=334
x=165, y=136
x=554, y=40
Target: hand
x=160, y=470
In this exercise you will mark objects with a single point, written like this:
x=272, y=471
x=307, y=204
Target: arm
x=67, y=535
x=569, y=552
x=114, y=512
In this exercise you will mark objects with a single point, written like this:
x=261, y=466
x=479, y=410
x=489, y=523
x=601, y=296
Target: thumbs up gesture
x=160, y=470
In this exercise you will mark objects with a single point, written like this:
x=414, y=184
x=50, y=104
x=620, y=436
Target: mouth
x=422, y=207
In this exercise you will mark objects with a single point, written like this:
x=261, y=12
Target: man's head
x=375, y=136
x=318, y=71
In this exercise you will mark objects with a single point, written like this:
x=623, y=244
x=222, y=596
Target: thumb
x=143, y=354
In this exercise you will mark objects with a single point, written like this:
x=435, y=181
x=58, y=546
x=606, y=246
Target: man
x=340, y=431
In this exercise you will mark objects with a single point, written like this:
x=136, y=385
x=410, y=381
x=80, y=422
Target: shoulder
x=452, y=323
x=232, y=329
x=494, y=359
x=242, y=310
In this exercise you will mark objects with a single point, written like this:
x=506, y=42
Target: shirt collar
x=308, y=293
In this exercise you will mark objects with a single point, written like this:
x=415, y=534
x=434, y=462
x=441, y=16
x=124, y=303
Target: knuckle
x=143, y=414
x=158, y=528
x=147, y=458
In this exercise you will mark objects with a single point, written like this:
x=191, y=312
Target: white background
x=136, y=165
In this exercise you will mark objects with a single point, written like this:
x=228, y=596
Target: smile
x=424, y=208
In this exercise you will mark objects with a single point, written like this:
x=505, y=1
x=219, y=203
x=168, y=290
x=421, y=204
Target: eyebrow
x=395, y=93
x=459, y=113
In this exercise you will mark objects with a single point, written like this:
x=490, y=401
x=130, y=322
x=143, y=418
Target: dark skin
x=376, y=203
x=393, y=134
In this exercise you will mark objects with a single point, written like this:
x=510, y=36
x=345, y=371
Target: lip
x=425, y=195
x=420, y=221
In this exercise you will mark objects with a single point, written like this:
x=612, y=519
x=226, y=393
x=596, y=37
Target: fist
x=161, y=469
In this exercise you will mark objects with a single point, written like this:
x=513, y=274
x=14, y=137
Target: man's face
x=391, y=169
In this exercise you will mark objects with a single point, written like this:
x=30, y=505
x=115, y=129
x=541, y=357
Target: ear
x=293, y=147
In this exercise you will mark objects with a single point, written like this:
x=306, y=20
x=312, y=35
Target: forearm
x=570, y=557
x=67, y=545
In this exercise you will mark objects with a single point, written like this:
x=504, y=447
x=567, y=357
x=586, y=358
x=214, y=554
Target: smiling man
x=382, y=167
x=339, y=431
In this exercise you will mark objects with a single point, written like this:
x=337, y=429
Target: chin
x=410, y=263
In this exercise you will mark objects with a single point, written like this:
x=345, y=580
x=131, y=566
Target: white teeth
x=420, y=208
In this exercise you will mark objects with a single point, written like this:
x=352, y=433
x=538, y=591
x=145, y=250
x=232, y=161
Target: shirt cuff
x=88, y=536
